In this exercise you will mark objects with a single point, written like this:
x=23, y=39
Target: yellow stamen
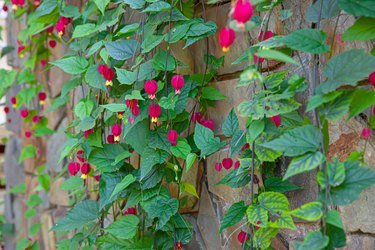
x=61, y=34
x=42, y=102
x=120, y=116
x=84, y=176
x=154, y=119
x=14, y=7
x=225, y=49
x=21, y=55
x=116, y=138
x=14, y=105
x=108, y=83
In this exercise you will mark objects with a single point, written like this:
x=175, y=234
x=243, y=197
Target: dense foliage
x=140, y=125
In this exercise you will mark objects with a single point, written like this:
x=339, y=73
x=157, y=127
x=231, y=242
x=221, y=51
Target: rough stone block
x=54, y=148
x=58, y=196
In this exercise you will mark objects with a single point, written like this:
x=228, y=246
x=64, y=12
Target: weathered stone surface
x=14, y=121
x=49, y=239
x=54, y=148
x=207, y=222
x=359, y=242
x=197, y=242
x=58, y=196
x=302, y=230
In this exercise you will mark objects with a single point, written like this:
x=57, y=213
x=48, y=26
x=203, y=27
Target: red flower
x=371, y=78
x=111, y=139
x=366, y=133
x=151, y=86
x=74, y=168
x=36, y=3
x=50, y=30
x=196, y=117
x=209, y=124
x=13, y=100
x=65, y=20
x=88, y=132
x=52, y=43
x=85, y=169
x=256, y=59
x=177, y=82
x=130, y=210
x=226, y=38
x=39, y=152
x=154, y=111
x=21, y=51
x=108, y=74
x=17, y=3
x=102, y=68
x=218, y=166
x=43, y=62
x=131, y=103
x=24, y=113
x=276, y=119
x=116, y=131
x=42, y=97
x=80, y=155
x=36, y=118
x=172, y=137
x=178, y=245
x=258, y=223
x=373, y=111
x=267, y=35
x=247, y=145
x=242, y=237
x=28, y=134
x=6, y=110
x=5, y=8
x=60, y=28
x=136, y=111
x=97, y=178
x=227, y=163
x=237, y=164
x=242, y=12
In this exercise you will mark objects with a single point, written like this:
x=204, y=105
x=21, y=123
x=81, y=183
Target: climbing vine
x=139, y=122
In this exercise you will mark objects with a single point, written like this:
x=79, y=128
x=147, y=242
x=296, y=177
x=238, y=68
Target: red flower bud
x=276, y=119
x=258, y=223
x=196, y=117
x=74, y=168
x=111, y=139
x=136, y=111
x=267, y=35
x=226, y=38
x=42, y=97
x=24, y=113
x=373, y=111
x=258, y=60
x=178, y=245
x=178, y=82
x=242, y=12
x=151, y=86
x=80, y=155
x=60, y=28
x=97, y=178
x=131, y=103
x=43, y=62
x=5, y=8
x=13, y=100
x=88, y=132
x=209, y=124
x=247, y=145
x=237, y=164
x=36, y=118
x=242, y=236
x=65, y=20
x=172, y=137
x=116, y=131
x=227, y=163
x=154, y=111
x=366, y=133
x=50, y=30
x=36, y=3
x=6, y=110
x=20, y=51
x=218, y=166
x=102, y=68
x=28, y=134
x=86, y=168
x=52, y=43
x=130, y=210
x=371, y=78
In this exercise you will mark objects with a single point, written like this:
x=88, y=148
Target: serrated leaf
x=314, y=240
x=363, y=29
x=230, y=125
x=324, y=9
x=129, y=179
x=263, y=236
x=236, y=178
x=162, y=208
x=28, y=151
x=307, y=40
x=189, y=188
x=276, y=55
x=84, y=30
x=125, y=227
x=257, y=215
x=278, y=185
x=335, y=174
x=101, y=4
x=211, y=93
x=72, y=183
x=181, y=150
x=115, y=107
x=72, y=64
x=358, y=7
x=361, y=100
x=273, y=202
x=304, y=163
x=234, y=215
x=205, y=140
x=311, y=211
x=126, y=77
x=122, y=49
x=158, y=7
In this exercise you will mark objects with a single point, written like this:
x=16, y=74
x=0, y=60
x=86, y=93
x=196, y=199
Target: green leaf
x=126, y=77
x=210, y=93
x=335, y=174
x=162, y=208
x=34, y=200
x=122, y=49
x=348, y=67
x=257, y=214
x=276, y=55
x=205, y=140
x=69, y=86
x=337, y=108
x=234, y=215
x=274, y=80
x=230, y=125
x=129, y=179
x=163, y=61
x=72, y=183
x=125, y=227
x=121, y=157
x=358, y=8
x=137, y=136
x=278, y=185
x=168, y=102
x=158, y=7
x=358, y=178
x=317, y=100
x=29, y=151
x=84, y=30
x=307, y=40
x=362, y=99
x=263, y=236
x=151, y=157
x=135, y=4
x=304, y=163
x=237, y=142
x=107, y=184
x=283, y=221
x=103, y=158
x=84, y=108
x=314, y=240
x=129, y=28
x=83, y=213
x=189, y=188
x=311, y=211
x=34, y=229
x=19, y=189
x=95, y=79
x=72, y=64
x=273, y=202
x=333, y=218
x=362, y=30
x=181, y=150
x=236, y=178
x=101, y=4
x=256, y=129
x=329, y=9
x=115, y=107
x=190, y=159
x=151, y=42
x=297, y=141
x=264, y=153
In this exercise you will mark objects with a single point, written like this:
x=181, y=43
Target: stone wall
x=206, y=213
